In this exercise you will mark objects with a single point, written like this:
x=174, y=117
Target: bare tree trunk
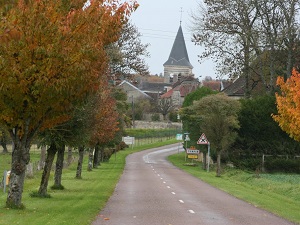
x=218, y=164
x=20, y=158
x=42, y=157
x=80, y=161
x=102, y=153
x=59, y=167
x=90, y=163
x=47, y=169
x=96, y=157
x=3, y=140
x=70, y=156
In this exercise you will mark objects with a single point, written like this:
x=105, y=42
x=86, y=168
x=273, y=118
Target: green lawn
x=277, y=193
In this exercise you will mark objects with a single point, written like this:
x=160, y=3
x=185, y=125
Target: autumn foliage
x=288, y=105
x=52, y=58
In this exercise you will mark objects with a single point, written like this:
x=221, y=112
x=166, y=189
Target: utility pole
x=132, y=107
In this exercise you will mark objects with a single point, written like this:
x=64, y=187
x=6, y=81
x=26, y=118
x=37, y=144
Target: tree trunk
x=42, y=157
x=80, y=161
x=47, y=169
x=218, y=164
x=99, y=156
x=59, y=167
x=20, y=158
x=102, y=153
x=90, y=163
x=70, y=156
x=96, y=161
x=3, y=142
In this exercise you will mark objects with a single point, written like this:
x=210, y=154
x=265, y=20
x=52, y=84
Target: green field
x=277, y=193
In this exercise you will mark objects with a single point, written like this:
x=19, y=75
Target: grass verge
x=276, y=193
x=80, y=201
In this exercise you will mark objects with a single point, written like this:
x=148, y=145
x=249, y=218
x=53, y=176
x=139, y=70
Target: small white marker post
x=208, y=156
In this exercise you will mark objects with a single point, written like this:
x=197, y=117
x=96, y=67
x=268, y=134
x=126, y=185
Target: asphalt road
x=152, y=191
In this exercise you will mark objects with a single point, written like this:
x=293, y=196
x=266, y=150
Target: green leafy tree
x=197, y=95
x=219, y=121
x=191, y=122
x=259, y=133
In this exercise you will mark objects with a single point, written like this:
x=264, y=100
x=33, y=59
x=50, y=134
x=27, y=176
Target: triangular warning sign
x=202, y=140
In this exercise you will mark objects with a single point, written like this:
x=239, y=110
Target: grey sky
x=158, y=21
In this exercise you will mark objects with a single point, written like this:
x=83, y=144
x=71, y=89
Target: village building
x=178, y=64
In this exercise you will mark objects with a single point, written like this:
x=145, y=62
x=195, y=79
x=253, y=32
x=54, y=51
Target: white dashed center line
x=181, y=201
x=191, y=211
x=173, y=193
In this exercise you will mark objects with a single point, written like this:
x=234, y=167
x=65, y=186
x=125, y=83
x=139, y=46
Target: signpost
x=186, y=139
x=203, y=141
x=128, y=140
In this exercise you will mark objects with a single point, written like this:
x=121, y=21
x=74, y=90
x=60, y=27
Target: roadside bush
x=155, y=117
x=282, y=165
x=107, y=152
x=250, y=163
x=121, y=146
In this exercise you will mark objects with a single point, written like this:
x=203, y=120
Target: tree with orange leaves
x=52, y=56
x=288, y=105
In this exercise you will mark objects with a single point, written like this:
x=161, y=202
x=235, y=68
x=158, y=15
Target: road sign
x=179, y=137
x=128, y=140
x=193, y=156
x=187, y=138
x=192, y=151
x=202, y=140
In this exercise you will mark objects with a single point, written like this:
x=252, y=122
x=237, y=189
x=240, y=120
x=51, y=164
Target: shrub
x=155, y=117
x=282, y=165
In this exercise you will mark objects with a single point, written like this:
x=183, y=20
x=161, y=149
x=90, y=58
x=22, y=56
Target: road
x=152, y=191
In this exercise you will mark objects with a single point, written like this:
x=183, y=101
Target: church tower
x=178, y=64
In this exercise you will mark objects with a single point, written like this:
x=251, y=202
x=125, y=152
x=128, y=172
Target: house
x=214, y=85
x=181, y=89
x=133, y=93
x=234, y=89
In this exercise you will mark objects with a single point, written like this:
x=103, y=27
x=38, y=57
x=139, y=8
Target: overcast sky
x=158, y=22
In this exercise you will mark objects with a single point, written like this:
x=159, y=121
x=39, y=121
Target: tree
x=191, y=121
x=52, y=57
x=164, y=106
x=127, y=54
x=259, y=133
x=3, y=140
x=237, y=32
x=225, y=30
x=219, y=122
x=288, y=105
x=197, y=95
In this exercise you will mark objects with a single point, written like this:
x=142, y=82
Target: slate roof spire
x=179, y=55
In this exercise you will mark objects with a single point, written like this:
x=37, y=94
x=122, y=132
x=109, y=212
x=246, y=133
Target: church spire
x=179, y=55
